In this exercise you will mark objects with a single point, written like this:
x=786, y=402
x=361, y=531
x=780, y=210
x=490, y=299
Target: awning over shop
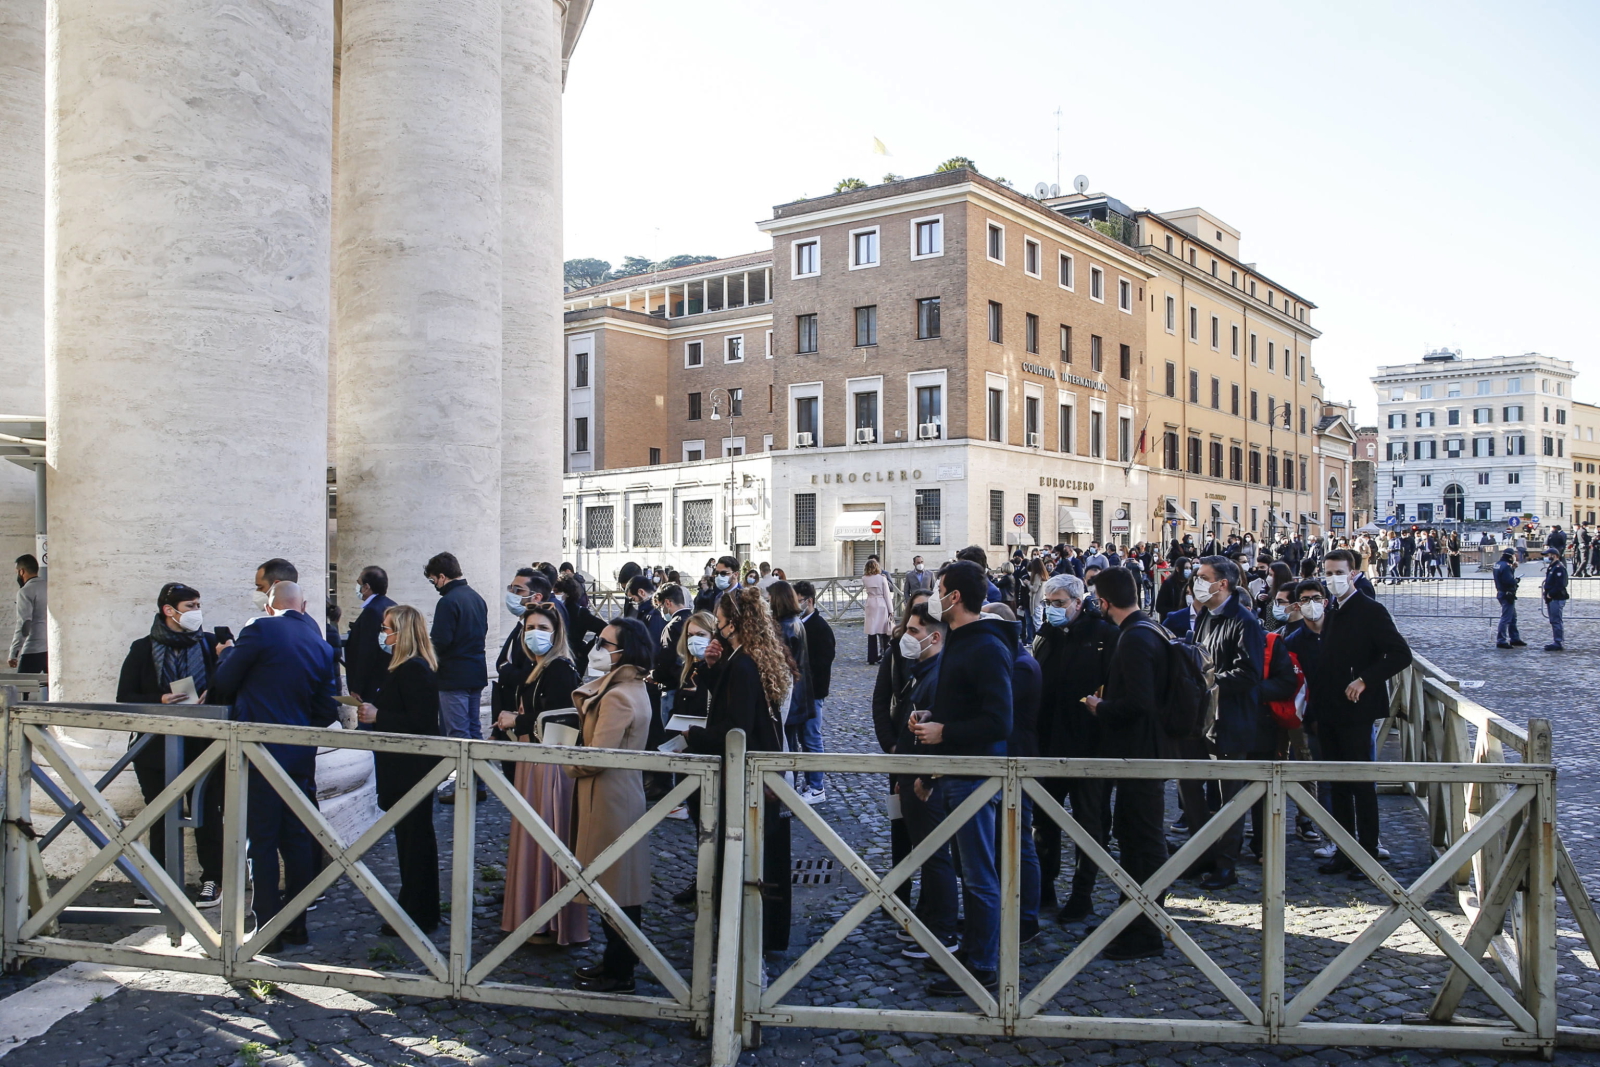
x=858, y=526
x=1019, y=537
x=1071, y=520
x=1175, y=511
x=1308, y=520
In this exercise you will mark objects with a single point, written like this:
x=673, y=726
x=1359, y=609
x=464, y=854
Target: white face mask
x=599, y=661
x=910, y=647
x=698, y=643
x=919, y=566
x=1338, y=585
x=1202, y=590
x=1312, y=610
x=259, y=599
x=190, y=620
x=936, y=605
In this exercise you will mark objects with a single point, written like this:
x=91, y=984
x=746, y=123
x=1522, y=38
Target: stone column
x=187, y=277
x=418, y=264
x=21, y=264
x=533, y=369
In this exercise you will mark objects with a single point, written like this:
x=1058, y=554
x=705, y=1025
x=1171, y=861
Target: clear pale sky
x=1425, y=173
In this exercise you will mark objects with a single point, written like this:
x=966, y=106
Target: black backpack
x=1190, y=703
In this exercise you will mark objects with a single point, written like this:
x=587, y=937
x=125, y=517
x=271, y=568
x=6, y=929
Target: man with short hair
x=366, y=663
x=975, y=554
x=1505, y=591
x=918, y=577
x=1129, y=718
x=460, y=631
x=1073, y=649
x=724, y=576
x=767, y=577
x=666, y=669
x=820, y=651
x=280, y=670
x=1229, y=630
x=277, y=569
x=641, y=595
x=971, y=716
x=29, y=651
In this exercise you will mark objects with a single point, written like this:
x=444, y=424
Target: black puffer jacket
x=1074, y=662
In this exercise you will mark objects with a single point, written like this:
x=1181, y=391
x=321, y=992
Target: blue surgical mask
x=514, y=604
x=1055, y=616
x=385, y=642
x=538, y=641
x=1280, y=612
x=698, y=643
x=724, y=580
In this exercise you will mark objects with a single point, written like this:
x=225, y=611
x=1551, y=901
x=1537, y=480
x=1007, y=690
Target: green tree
x=582, y=273
x=956, y=163
x=846, y=184
x=893, y=177
x=682, y=261
x=632, y=265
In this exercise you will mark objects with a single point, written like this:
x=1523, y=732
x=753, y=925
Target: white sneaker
x=814, y=796
x=679, y=812
x=1383, y=853
x=1326, y=852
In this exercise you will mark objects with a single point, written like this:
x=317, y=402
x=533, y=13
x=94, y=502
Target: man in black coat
x=1129, y=728
x=1360, y=650
x=820, y=651
x=459, y=632
x=365, y=661
x=666, y=672
x=1074, y=649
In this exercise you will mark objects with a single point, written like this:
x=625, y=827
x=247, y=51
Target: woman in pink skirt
x=531, y=875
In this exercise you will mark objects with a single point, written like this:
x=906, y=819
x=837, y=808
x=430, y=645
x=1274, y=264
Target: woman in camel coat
x=615, y=711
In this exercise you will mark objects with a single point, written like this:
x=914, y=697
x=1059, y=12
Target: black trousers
x=33, y=663
x=1355, y=804
x=619, y=959
x=1136, y=818
x=1088, y=798
x=877, y=645
x=417, y=851
x=1224, y=855
x=1192, y=792
x=900, y=848
x=276, y=831
x=207, y=836
x=777, y=892
x=938, y=891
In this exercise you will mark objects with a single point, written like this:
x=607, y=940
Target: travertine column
x=190, y=147
x=532, y=362
x=21, y=264
x=418, y=263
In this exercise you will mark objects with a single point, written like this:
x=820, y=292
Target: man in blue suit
x=366, y=663
x=281, y=670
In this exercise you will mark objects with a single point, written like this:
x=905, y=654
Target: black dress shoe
x=687, y=895
x=592, y=973
x=1340, y=864
x=295, y=935
x=947, y=986
x=1076, y=909
x=605, y=985
x=1519, y=644
x=1134, y=949
x=1219, y=880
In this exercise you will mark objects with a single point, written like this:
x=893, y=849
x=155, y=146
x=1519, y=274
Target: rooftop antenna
x=1058, y=145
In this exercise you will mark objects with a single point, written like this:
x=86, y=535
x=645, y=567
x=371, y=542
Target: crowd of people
x=1063, y=654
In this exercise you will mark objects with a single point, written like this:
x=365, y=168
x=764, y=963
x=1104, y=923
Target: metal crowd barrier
x=1435, y=723
x=1474, y=598
x=237, y=952
x=1494, y=827
x=1524, y=808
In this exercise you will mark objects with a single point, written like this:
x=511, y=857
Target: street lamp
x=720, y=399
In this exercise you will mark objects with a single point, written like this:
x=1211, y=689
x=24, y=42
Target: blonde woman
x=531, y=875
x=875, y=587
x=407, y=702
x=616, y=713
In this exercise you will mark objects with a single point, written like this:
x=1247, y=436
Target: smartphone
x=224, y=635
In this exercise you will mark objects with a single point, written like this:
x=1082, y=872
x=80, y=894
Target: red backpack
x=1289, y=714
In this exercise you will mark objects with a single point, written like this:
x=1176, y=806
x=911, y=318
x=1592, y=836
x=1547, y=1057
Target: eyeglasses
x=610, y=646
x=1313, y=600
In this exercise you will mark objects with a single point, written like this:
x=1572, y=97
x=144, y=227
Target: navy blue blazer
x=366, y=666
x=280, y=670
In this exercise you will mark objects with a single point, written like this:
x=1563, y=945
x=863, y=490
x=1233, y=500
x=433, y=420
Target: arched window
x=1333, y=490
x=1455, y=506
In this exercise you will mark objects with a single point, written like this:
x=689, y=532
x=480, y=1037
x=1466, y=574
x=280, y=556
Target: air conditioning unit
x=804, y=440
x=865, y=435
x=927, y=431
x=1033, y=440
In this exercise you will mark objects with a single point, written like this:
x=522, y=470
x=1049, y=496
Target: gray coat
x=32, y=603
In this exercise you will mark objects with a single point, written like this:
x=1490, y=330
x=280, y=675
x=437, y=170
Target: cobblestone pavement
x=166, y=1018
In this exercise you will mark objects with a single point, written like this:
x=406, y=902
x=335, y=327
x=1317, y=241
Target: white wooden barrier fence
x=1497, y=832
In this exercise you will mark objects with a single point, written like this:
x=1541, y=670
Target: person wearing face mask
x=1346, y=692
x=511, y=666
x=918, y=578
x=1505, y=591
x=820, y=651
x=724, y=576
x=1229, y=630
x=667, y=668
x=1026, y=690
x=177, y=647
x=366, y=663
x=581, y=622
x=1170, y=596
x=407, y=702
x=280, y=671
x=802, y=708
x=889, y=709
x=531, y=875
x=876, y=609
x=614, y=712
x=641, y=594
x=459, y=632
x=29, y=653
x=1074, y=650
x=270, y=573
